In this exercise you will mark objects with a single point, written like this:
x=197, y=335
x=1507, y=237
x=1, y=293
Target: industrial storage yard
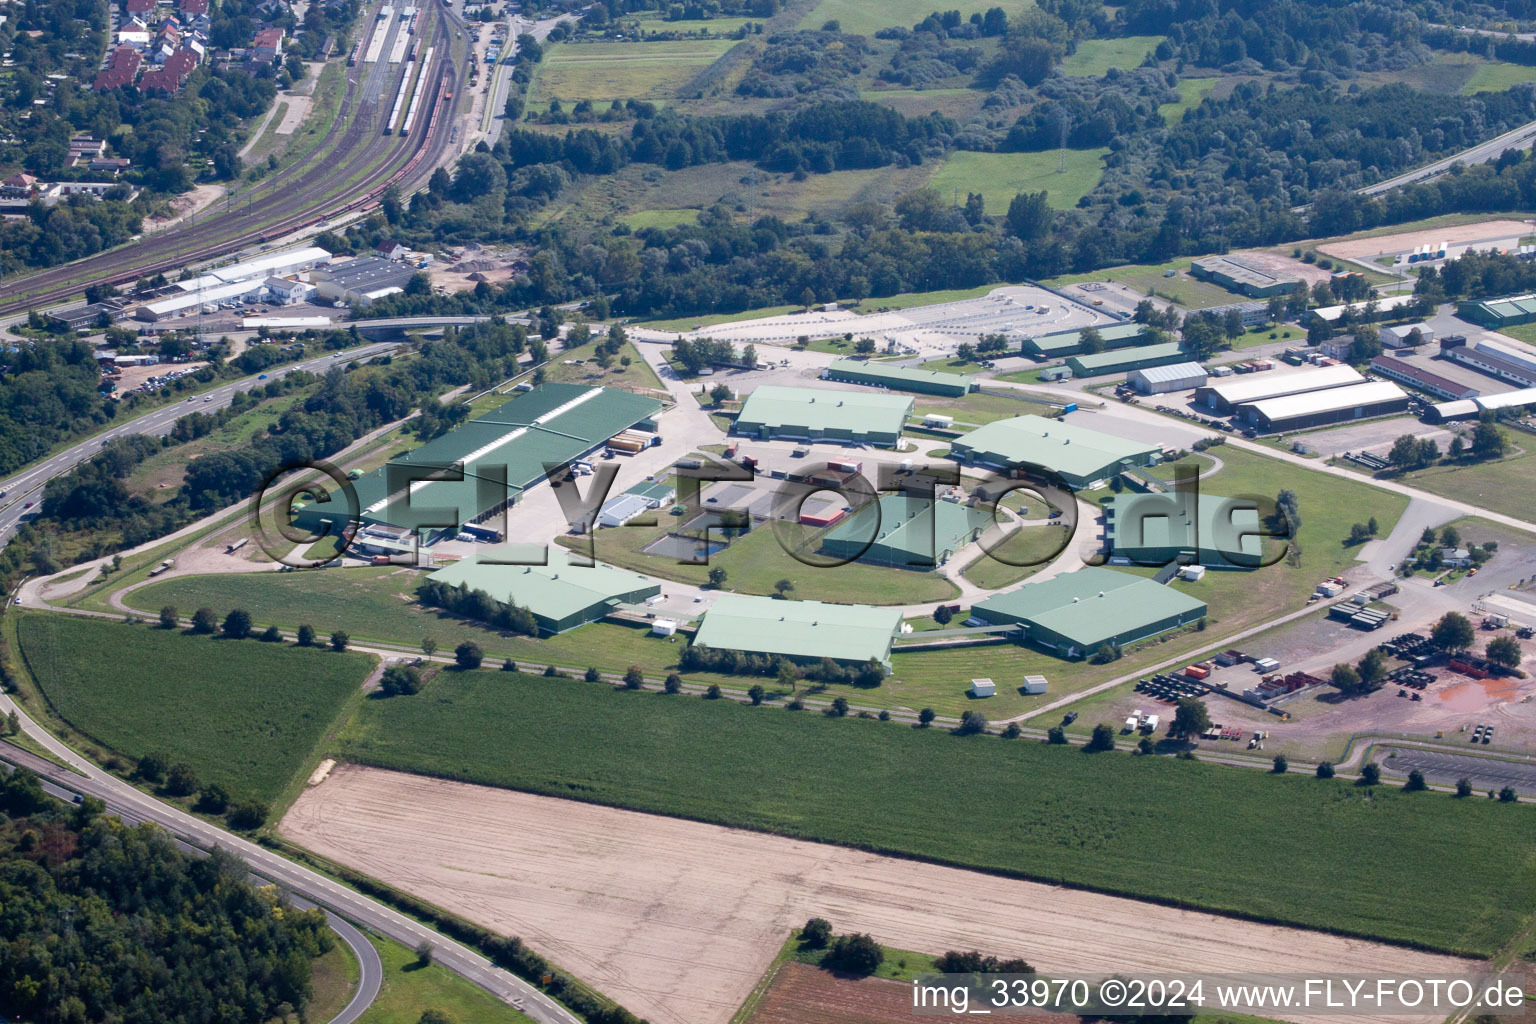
x=679, y=919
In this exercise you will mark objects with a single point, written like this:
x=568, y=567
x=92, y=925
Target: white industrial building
x=288, y=291
x=1159, y=380
x=1329, y=405
x=1502, y=361
x=1229, y=394
x=1330, y=314
x=1397, y=337
x=620, y=510
x=273, y=264
x=360, y=281
x=1475, y=406
x=187, y=303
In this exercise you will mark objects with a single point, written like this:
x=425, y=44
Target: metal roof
x=1507, y=400
x=1126, y=357
x=278, y=263
x=858, y=412
x=552, y=424
x=1224, y=528
x=1383, y=303
x=1064, y=447
x=1059, y=341
x=1091, y=604
x=1509, y=353
x=921, y=526
x=555, y=590
x=655, y=490
x=191, y=300
x=1328, y=400
x=1171, y=372
x=899, y=375
x=1273, y=385
x=801, y=629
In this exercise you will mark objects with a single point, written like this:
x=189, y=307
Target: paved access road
x=133, y=805
x=27, y=486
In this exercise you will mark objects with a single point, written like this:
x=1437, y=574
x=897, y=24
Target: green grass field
x=1159, y=828
x=245, y=714
x=1001, y=176
x=860, y=17
x=1492, y=76
x=409, y=990
x=1094, y=57
x=1148, y=278
x=1192, y=91
x=610, y=71
x=1508, y=485
x=660, y=218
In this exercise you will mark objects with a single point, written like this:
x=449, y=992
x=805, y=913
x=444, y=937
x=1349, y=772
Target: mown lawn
x=1192, y=92
x=1094, y=57
x=608, y=71
x=1001, y=176
x=864, y=18
x=1421, y=868
x=243, y=713
x=410, y=990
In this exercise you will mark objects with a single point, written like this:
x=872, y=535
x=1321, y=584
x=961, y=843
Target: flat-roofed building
x=1076, y=613
x=1227, y=395
x=1203, y=529
x=1320, y=408
x=1509, y=311
x=816, y=414
x=1501, y=361
x=1125, y=360
x=899, y=378
x=359, y=281
x=906, y=531
x=1085, y=458
x=561, y=595
x=1425, y=380
x=1060, y=344
x=802, y=631
x=1244, y=275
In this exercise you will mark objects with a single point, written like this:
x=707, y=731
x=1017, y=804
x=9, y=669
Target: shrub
x=633, y=677
x=593, y=675
x=1103, y=738
x=971, y=722
x=1012, y=731
x=856, y=954
x=1325, y=770
x=816, y=933
x=468, y=655
x=673, y=683
x=713, y=693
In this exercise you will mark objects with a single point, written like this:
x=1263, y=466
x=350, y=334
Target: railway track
x=348, y=170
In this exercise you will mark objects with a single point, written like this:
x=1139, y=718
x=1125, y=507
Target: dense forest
x=104, y=922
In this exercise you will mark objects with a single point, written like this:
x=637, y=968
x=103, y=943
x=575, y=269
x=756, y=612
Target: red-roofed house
x=143, y=7
x=119, y=72
x=173, y=75
x=192, y=8
x=269, y=42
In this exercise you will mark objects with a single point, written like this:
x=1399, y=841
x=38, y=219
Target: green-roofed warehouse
x=1070, y=343
x=1076, y=613
x=560, y=595
x=1496, y=313
x=1158, y=529
x=552, y=424
x=1084, y=458
x=802, y=631
x=1101, y=363
x=812, y=414
x=907, y=531
x=899, y=378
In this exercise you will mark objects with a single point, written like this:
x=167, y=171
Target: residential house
x=120, y=70
x=267, y=45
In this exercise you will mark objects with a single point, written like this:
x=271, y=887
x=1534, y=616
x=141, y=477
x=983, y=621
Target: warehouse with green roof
x=1084, y=458
x=1496, y=313
x=1103, y=363
x=906, y=531
x=899, y=378
x=1200, y=529
x=560, y=595
x=802, y=631
x=551, y=425
x=1070, y=343
x=1076, y=613
x=816, y=414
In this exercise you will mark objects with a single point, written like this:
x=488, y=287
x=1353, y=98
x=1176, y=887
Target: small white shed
x=983, y=688
x=663, y=627
x=1034, y=684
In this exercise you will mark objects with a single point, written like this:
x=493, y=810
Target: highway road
x=134, y=806
x=26, y=487
x=1521, y=138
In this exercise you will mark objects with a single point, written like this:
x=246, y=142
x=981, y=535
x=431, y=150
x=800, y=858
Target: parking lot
x=1484, y=772
x=152, y=378
x=1374, y=436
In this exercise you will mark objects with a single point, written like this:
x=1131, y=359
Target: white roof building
x=186, y=303
x=1328, y=405
x=1231, y=393
x=1156, y=380
x=273, y=264
x=1329, y=314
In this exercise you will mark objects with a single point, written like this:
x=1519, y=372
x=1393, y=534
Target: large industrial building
x=801, y=631
x=1076, y=613
x=1126, y=360
x=560, y=595
x=187, y=303
x=1160, y=380
x=1320, y=408
x=1084, y=458
x=1332, y=314
x=1502, y=361
x=361, y=281
x=1469, y=407
x=1201, y=529
x=899, y=378
x=1497, y=313
x=817, y=414
x=272, y=264
x=1424, y=380
x=1243, y=275
x=553, y=424
x=1070, y=343
x=1227, y=395
x=907, y=531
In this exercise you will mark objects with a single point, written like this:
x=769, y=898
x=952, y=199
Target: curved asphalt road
x=27, y=485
